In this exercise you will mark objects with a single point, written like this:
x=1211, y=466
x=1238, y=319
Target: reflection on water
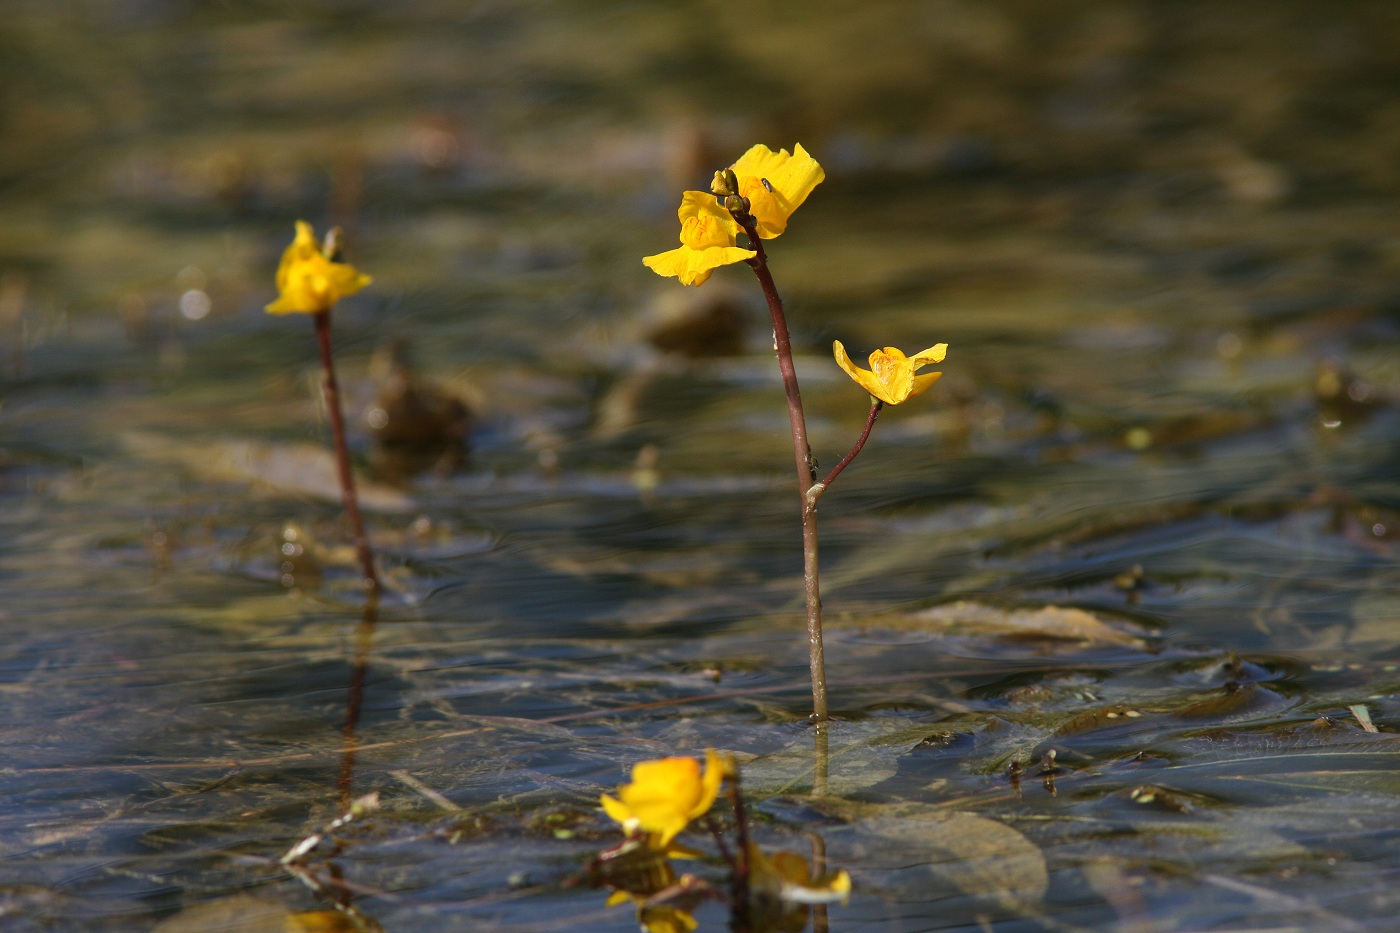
x=1157, y=238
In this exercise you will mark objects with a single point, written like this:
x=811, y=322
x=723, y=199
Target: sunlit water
x=1159, y=241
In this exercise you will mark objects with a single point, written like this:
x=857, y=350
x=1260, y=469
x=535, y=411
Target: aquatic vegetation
x=756, y=196
x=765, y=893
x=310, y=280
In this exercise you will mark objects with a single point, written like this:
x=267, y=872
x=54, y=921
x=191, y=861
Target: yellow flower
x=776, y=184
x=891, y=376
x=310, y=283
x=781, y=889
x=707, y=241
x=666, y=794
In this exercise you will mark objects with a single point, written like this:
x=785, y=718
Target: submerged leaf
x=900, y=844
x=244, y=914
x=1048, y=624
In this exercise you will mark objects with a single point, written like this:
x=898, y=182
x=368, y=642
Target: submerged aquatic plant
x=310, y=280
x=756, y=196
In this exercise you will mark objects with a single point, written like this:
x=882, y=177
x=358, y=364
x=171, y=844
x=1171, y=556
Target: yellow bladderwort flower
x=776, y=184
x=781, y=888
x=891, y=377
x=707, y=241
x=308, y=282
x=666, y=794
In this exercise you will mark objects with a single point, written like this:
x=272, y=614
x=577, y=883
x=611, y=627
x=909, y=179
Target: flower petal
x=693, y=266
x=892, y=369
x=715, y=770
x=792, y=178
x=617, y=810
x=933, y=354
x=922, y=383
x=865, y=379
x=701, y=204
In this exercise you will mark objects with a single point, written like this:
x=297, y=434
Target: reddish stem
x=806, y=468
x=860, y=444
x=342, y=453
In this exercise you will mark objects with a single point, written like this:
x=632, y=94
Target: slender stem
x=806, y=469
x=342, y=453
x=354, y=700
x=819, y=917
x=741, y=920
x=860, y=444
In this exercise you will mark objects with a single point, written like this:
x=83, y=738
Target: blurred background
x=1159, y=238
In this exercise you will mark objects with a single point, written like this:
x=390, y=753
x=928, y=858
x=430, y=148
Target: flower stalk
x=806, y=468
x=310, y=280
x=756, y=196
x=331, y=391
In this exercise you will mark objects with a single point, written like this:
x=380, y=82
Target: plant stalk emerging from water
x=806, y=468
x=756, y=196
x=310, y=280
x=331, y=389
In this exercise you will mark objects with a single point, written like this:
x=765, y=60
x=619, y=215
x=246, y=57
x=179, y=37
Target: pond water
x=1149, y=519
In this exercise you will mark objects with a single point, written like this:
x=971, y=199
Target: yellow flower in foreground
x=776, y=184
x=666, y=794
x=891, y=376
x=310, y=283
x=707, y=241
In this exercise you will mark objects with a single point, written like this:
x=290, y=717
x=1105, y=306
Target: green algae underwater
x=1147, y=521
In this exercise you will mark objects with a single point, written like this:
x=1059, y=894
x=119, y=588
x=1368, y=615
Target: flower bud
x=725, y=183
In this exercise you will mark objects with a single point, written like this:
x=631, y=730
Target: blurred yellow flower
x=656, y=918
x=776, y=184
x=781, y=889
x=308, y=282
x=707, y=241
x=664, y=918
x=666, y=794
x=891, y=376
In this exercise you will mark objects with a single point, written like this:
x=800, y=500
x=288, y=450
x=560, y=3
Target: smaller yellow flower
x=788, y=875
x=666, y=794
x=310, y=283
x=776, y=184
x=707, y=241
x=891, y=376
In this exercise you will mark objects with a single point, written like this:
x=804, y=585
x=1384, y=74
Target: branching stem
x=806, y=468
